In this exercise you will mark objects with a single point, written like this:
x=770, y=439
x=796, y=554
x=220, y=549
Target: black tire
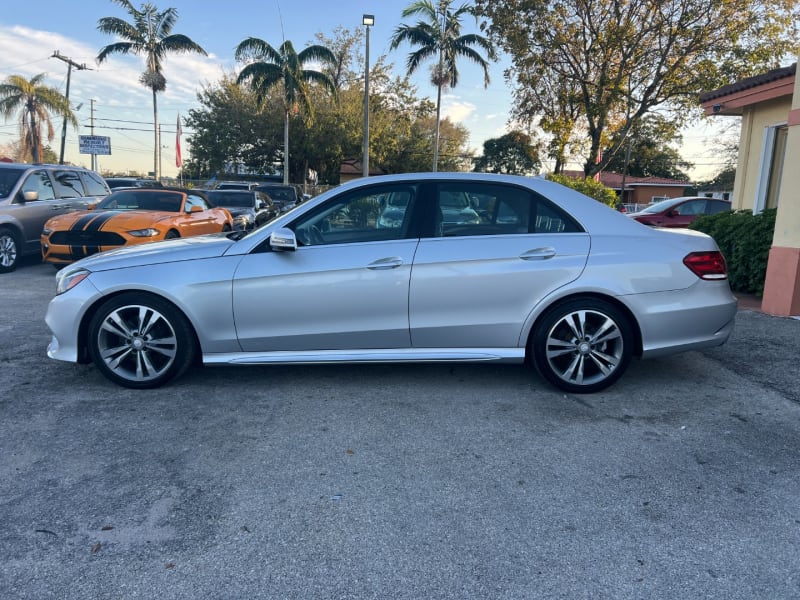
x=10, y=250
x=582, y=345
x=172, y=235
x=140, y=341
x=226, y=228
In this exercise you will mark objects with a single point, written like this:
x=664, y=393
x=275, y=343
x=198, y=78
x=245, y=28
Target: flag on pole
x=178, y=158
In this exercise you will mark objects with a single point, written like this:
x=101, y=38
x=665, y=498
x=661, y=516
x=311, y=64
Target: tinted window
x=364, y=215
x=68, y=184
x=231, y=199
x=8, y=179
x=135, y=199
x=717, y=206
x=95, y=186
x=693, y=207
x=490, y=209
x=39, y=182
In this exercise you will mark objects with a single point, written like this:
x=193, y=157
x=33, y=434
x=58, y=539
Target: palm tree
x=438, y=35
x=271, y=67
x=34, y=101
x=149, y=34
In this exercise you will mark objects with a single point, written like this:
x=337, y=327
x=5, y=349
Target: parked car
x=131, y=216
x=249, y=209
x=679, y=212
x=236, y=185
x=547, y=275
x=31, y=194
x=123, y=182
x=284, y=197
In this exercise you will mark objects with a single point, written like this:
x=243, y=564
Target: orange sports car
x=131, y=216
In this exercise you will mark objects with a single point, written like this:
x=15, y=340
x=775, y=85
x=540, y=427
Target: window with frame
x=193, y=200
x=39, y=182
x=370, y=214
x=95, y=186
x=68, y=184
x=469, y=208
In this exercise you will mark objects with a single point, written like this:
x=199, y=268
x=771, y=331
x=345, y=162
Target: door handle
x=385, y=263
x=539, y=253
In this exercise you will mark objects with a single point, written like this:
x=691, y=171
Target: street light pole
x=367, y=21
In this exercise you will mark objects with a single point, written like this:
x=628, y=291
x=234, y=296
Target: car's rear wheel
x=582, y=345
x=10, y=250
x=140, y=341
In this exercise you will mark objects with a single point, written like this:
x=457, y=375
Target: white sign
x=94, y=144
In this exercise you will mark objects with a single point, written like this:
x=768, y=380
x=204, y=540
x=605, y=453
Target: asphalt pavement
x=410, y=481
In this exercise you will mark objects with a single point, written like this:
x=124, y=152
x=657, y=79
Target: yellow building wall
x=755, y=120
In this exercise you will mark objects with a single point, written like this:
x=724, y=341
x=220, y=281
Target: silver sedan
x=426, y=267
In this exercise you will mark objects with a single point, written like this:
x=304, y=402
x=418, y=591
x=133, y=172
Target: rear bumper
x=698, y=317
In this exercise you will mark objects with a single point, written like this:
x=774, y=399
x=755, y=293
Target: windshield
x=142, y=199
x=661, y=206
x=231, y=200
x=8, y=179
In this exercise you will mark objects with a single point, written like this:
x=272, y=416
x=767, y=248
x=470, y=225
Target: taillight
x=707, y=265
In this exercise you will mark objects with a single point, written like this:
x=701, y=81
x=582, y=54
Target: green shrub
x=745, y=240
x=589, y=187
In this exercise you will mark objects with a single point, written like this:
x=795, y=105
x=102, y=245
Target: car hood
x=151, y=253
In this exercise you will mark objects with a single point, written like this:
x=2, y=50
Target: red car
x=679, y=212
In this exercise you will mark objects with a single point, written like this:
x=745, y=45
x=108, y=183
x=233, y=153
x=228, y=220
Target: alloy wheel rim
x=584, y=347
x=8, y=251
x=137, y=343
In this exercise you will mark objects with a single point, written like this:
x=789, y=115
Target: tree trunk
x=286, y=149
x=157, y=147
x=436, y=131
x=34, y=140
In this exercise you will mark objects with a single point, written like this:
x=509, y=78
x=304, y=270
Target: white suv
x=31, y=194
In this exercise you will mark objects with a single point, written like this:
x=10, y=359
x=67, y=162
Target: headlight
x=243, y=219
x=149, y=232
x=66, y=279
x=46, y=231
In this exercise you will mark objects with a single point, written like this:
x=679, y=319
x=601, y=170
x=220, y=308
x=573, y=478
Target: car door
x=474, y=284
x=344, y=288
x=33, y=214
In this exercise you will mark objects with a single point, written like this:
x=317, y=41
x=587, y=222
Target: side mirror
x=32, y=196
x=196, y=209
x=283, y=239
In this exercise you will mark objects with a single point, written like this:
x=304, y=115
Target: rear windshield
x=231, y=200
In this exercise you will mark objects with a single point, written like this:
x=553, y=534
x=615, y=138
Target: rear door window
x=68, y=184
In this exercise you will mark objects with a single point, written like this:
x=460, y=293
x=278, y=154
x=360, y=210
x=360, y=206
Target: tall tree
x=438, y=35
x=286, y=67
x=148, y=34
x=33, y=101
x=649, y=150
x=624, y=58
x=512, y=153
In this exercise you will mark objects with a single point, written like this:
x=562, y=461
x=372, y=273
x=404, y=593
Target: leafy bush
x=589, y=187
x=745, y=240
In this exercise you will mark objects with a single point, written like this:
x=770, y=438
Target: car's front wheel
x=582, y=345
x=140, y=341
x=10, y=250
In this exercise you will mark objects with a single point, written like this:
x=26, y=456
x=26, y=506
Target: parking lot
x=426, y=481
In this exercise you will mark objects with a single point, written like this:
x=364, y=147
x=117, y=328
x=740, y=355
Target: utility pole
x=91, y=128
x=70, y=63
